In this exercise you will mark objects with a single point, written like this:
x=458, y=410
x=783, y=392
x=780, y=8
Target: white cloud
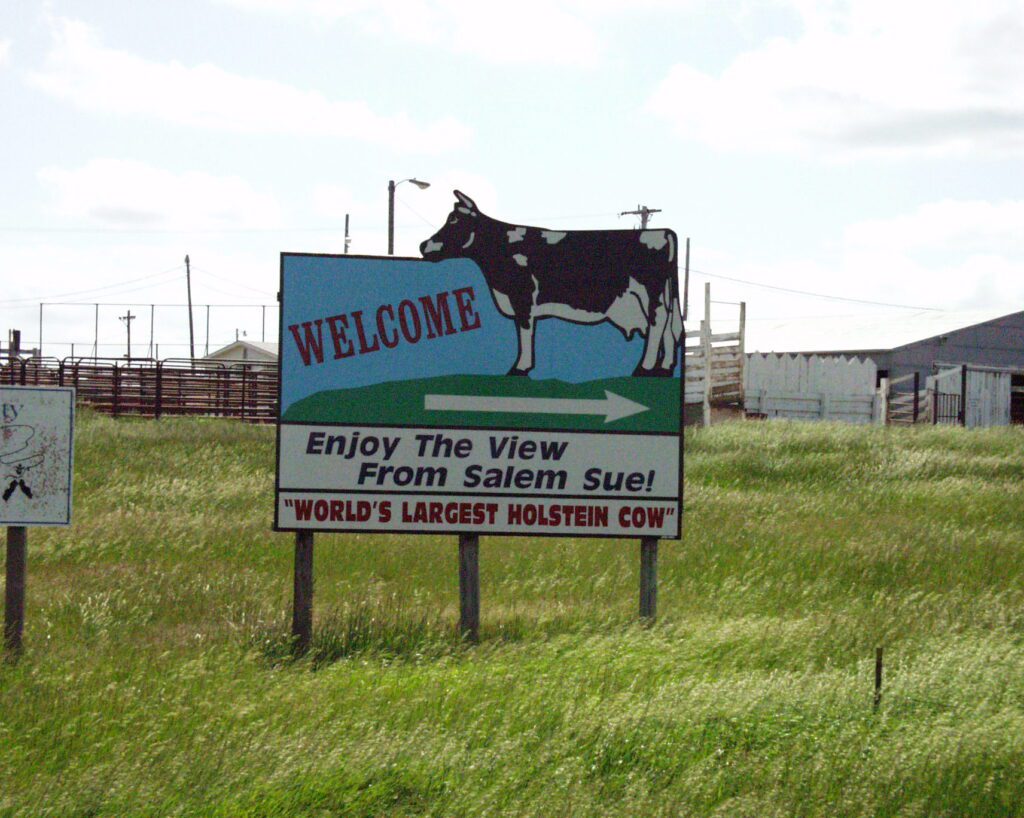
x=84, y=72
x=130, y=194
x=554, y=32
x=951, y=254
x=946, y=227
x=869, y=77
x=5, y=51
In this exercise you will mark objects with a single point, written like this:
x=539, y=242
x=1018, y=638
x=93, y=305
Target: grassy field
x=156, y=679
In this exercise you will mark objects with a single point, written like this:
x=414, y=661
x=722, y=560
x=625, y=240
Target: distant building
x=246, y=351
x=970, y=367
x=900, y=343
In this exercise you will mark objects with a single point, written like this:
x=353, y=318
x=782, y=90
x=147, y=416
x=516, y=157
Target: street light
x=392, y=184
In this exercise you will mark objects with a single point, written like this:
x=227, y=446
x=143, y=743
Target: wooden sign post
x=469, y=587
x=648, y=578
x=302, y=598
x=14, y=591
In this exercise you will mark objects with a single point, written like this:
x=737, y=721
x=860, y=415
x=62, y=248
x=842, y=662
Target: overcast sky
x=870, y=150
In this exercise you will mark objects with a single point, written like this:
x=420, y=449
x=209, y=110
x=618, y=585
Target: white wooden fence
x=811, y=387
x=714, y=362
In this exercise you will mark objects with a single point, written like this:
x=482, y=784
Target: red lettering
x=438, y=315
x=656, y=517
x=464, y=301
x=407, y=315
x=313, y=346
x=392, y=342
x=337, y=325
x=357, y=316
x=303, y=509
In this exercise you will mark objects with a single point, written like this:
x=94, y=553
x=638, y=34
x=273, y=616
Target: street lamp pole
x=391, y=216
x=392, y=184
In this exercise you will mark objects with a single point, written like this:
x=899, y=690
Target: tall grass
x=157, y=678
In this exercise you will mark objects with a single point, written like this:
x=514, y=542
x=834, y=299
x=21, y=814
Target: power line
x=37, y=299
x=204, y=271
x=142, y=303
x=813, y=294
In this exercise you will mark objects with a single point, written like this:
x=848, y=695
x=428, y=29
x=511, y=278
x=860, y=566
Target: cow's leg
x=521, y=300
x=525, y=331
x=657, y=322
x=673, y=332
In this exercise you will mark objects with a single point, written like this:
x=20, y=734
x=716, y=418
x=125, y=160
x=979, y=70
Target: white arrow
x=612, y=406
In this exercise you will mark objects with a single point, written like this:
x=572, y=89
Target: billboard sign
x=514, y=380
x=36, y=455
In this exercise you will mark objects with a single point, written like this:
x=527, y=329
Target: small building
x=243, y=351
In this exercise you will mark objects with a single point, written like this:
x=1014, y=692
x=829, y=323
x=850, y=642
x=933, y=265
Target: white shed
x=246, y=351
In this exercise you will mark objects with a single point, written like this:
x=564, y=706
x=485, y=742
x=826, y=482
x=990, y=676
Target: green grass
x=401, y=403
x=156, y=677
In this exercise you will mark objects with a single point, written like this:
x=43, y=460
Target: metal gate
x=947, y=409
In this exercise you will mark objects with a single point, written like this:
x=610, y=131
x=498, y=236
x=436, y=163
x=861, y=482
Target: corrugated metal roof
x=858, y=333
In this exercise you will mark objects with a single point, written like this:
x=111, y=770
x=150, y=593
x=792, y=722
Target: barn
x=979, y=354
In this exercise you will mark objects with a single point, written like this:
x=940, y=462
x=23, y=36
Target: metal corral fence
x=149, y=388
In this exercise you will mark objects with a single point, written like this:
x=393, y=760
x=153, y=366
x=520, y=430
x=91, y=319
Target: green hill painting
x=612, y=404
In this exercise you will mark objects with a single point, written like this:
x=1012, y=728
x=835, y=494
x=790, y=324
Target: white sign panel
x=36, y=455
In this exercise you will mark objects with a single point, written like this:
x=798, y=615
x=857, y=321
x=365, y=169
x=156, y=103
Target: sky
x=869, y=153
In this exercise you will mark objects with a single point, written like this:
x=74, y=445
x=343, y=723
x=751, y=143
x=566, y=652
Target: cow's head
x=458, y=233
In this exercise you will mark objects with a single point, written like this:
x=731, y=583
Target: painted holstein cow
x=625, y=277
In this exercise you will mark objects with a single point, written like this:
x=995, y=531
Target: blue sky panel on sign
x=484, y=343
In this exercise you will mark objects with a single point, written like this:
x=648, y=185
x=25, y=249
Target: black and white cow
x=626, y=277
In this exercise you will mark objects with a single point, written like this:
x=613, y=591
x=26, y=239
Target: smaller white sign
x=36, y=455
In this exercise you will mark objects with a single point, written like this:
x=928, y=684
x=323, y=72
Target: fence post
x=117, y=391
x=241, y=413
x=963, y=395
x=917, y=389
x=706, y=344
x=158, y=398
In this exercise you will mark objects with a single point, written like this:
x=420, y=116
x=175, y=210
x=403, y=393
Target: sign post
x=469, y=587
x=36, y=466
x=648, y=578
x=514, y=381
x=302, y=600
x=14, y=590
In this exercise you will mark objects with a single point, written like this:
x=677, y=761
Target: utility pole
x=191, y=333
x=644, y=212
x=128, y=323
x=348, y=241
